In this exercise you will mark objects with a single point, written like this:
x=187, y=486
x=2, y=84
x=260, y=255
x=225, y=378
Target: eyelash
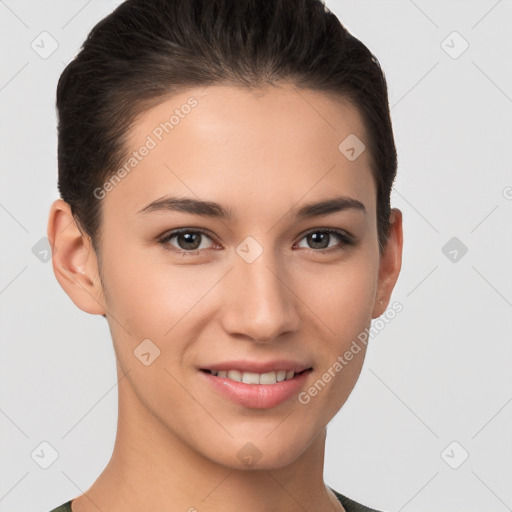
x=346, y=240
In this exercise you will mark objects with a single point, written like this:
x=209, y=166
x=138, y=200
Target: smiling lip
x=257, y=396
x=259, y=367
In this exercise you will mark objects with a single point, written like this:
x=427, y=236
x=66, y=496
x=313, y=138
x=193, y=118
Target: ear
x=390, y=264
x=74, y=260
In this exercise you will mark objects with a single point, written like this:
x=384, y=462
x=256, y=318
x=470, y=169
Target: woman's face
x=266, y=283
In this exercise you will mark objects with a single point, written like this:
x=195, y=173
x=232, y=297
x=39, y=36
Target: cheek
x=343, y=295
x=136, y=293
x=343, y=301
x=152, y=299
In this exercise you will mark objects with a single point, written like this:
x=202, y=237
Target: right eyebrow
x=189, y=205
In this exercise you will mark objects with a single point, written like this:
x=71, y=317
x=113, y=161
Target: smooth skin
x=262, y=154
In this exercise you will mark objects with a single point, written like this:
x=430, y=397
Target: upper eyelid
x=168, y=235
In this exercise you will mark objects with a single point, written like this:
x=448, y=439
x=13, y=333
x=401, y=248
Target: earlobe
x=390, y=264
x=74, y=260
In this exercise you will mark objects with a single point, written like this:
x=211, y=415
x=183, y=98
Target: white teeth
x=249, y=377
x=268, y=378
x=255, y=378
x=234, y=375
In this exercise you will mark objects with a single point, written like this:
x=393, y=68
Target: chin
x=260, y=453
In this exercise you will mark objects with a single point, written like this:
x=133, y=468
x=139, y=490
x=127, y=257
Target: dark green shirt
x=348, y=504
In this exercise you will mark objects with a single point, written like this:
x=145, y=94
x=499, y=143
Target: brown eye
x=321, y=239
x=185, y=240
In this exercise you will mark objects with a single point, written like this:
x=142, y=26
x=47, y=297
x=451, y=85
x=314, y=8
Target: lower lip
x=257, y=396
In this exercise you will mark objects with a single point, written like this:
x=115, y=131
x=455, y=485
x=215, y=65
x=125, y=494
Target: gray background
x=438, y=373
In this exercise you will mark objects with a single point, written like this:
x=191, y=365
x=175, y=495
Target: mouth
x=266, y=378
x=256, y=390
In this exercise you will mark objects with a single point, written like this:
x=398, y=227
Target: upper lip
x=259, y=366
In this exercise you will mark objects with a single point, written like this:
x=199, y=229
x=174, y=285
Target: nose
x=259, y=302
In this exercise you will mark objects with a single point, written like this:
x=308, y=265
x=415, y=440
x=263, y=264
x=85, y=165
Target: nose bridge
x=259, y=303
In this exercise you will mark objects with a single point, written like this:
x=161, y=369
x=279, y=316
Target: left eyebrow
x=212, y=209
x=329, y=206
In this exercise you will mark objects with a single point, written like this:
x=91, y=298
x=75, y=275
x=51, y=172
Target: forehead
x=262, y=144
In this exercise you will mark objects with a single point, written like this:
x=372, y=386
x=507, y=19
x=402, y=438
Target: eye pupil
x=319, y=238
x=190, y=238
